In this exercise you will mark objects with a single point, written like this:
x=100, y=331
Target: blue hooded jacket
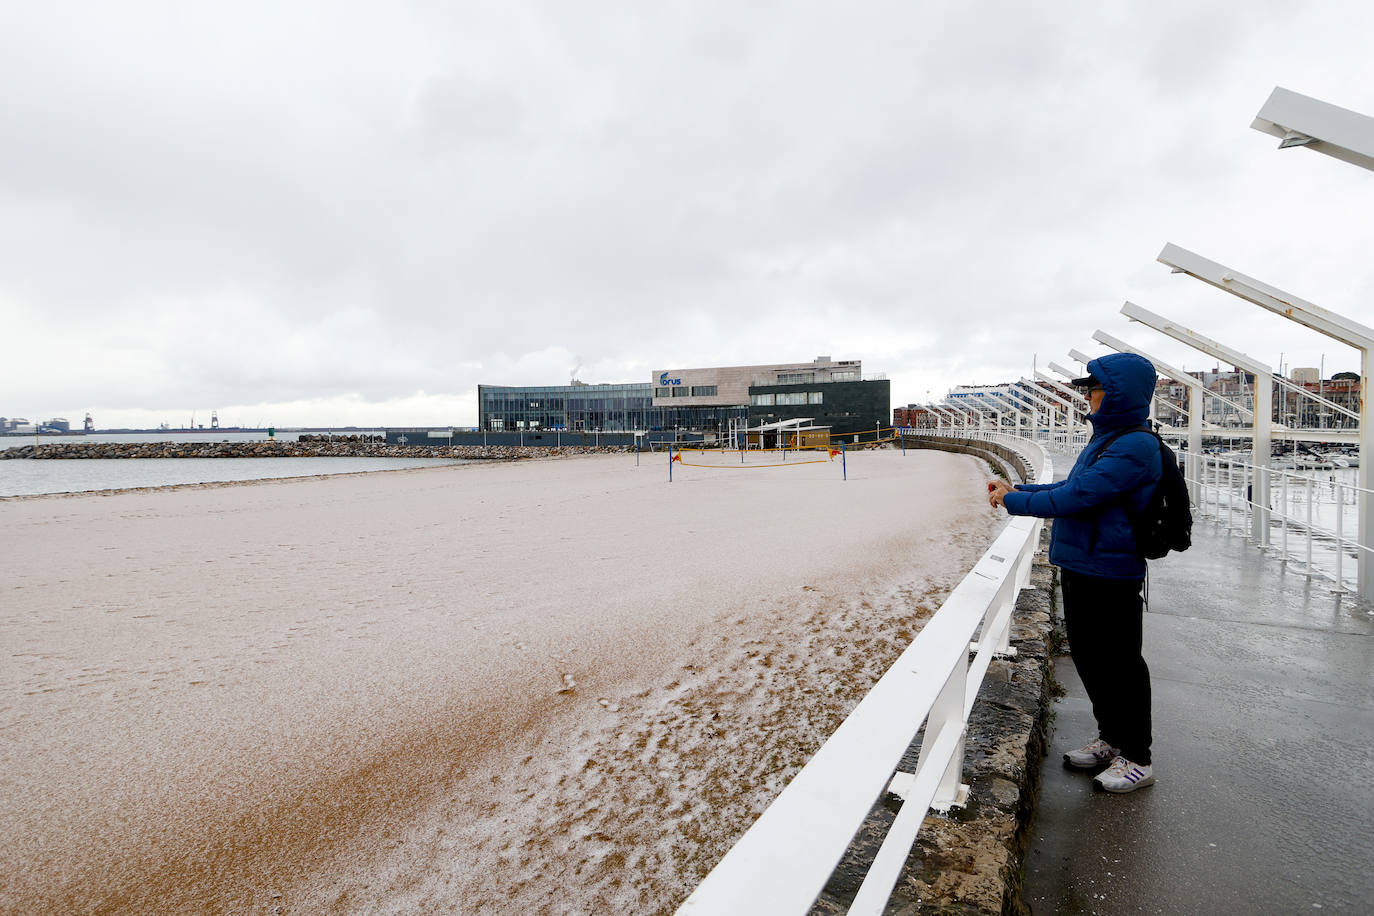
x=1091, y=507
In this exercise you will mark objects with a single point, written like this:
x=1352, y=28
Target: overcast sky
x=352, y=213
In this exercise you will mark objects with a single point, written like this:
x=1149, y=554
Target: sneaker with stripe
x=1091, y=756
x=1124, y=776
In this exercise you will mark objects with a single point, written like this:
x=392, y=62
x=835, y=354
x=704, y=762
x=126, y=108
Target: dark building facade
x=846, y=407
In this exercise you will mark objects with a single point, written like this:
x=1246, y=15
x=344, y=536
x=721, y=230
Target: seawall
x=277, y=449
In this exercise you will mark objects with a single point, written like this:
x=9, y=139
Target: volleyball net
x=795, y=450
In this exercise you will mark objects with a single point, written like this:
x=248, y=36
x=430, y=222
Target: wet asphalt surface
x=1263, y=685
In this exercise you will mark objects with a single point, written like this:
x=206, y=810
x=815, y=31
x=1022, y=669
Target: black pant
x=1104, y=618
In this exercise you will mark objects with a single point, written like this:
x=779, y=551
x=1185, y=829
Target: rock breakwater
x=309, y=449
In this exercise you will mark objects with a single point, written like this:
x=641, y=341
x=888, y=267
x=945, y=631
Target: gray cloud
x=332, y=207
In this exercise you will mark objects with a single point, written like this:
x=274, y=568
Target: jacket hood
x=1129, y=381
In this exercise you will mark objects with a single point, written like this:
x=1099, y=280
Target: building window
x=761, y=400
x=682, y=392
x=663, y=392
x=815, y=397
x=703, y=391
x=844, y=376
x=795, y=378
x=791, y=397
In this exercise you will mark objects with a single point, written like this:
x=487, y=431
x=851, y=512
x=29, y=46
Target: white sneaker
x=1124, y=776
x=1097, y=754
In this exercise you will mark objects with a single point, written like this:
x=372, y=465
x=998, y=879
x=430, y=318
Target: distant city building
x=729, y=386
x=915, y=416
x=706, y=400
x=849, y=406
x=1291, y=408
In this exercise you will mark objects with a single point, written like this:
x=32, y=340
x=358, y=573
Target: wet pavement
x=1263, y=749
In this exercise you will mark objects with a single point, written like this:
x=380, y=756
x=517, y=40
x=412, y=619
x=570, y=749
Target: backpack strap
x=1121, y=500
x=1112, y=437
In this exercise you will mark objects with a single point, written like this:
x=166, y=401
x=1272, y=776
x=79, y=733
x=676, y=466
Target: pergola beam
x=1299, y=120
x=1060, y=387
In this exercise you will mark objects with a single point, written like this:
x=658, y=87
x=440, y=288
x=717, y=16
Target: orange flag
x=678, y=456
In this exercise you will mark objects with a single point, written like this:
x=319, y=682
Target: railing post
x=1340, y=546
x=1309, y=526
x=1283, y=495
x=948, y=708
x=1230, y=496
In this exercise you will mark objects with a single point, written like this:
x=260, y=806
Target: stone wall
x=994, y=453
x=279, y=449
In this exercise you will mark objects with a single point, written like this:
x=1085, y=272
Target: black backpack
x=1166, y=522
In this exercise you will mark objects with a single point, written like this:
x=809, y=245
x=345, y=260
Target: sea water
x=29, y=476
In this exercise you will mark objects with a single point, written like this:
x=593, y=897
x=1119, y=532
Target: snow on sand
x=548, y=686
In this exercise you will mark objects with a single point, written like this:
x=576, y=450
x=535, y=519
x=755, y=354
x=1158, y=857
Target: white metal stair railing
x=782, y=863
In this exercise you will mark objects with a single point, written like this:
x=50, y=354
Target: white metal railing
x=1313, y=513
x=782, y=863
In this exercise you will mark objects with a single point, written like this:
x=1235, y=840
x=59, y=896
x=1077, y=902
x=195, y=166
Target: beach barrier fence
x=782, y=863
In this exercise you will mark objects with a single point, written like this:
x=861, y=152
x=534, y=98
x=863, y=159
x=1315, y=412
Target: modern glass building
x=612, y=408
x=846, y=407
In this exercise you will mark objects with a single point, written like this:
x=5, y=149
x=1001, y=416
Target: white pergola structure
x=1057, y=402
x=1021, y=405
x=968, y=418
x=946, y=415
x=1037, y=396
x=1080, y=403
x=1262, y=438
x=973, y=407
x=1000, y=404
x=1298, y=120
x=976, y=409
x=1338, y=327
x=1103, y=337
x=1067, y=391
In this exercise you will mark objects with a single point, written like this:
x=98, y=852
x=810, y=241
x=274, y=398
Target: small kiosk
x=797, y=433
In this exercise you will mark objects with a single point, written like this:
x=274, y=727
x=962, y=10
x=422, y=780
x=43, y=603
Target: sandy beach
x=561, y=685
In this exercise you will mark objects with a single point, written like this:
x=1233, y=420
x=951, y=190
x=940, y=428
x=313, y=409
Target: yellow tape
x=754, y=451
x=740, y=467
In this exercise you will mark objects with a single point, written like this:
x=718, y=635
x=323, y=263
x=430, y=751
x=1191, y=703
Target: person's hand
x=996, y=490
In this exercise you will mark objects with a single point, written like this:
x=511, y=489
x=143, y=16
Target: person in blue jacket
x=1101, y=573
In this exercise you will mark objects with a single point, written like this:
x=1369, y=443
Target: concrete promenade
x=1263, y=749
